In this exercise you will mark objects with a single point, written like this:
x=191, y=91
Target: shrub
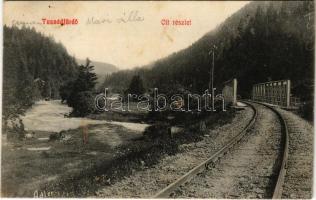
x=160, y=130
x=84, y=104
x=307, y=110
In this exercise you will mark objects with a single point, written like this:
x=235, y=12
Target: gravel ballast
x=248, y=171
x=149, y=180
x=299, y=174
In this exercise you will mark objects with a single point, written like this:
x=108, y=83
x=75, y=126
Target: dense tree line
x=261, y=42
x=34, y=67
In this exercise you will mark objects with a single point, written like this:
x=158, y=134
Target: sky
x=132, y=33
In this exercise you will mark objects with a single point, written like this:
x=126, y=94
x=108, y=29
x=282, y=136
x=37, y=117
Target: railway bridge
x=274, y=92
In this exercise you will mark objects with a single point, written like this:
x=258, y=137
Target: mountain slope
x=34, y=67
x=262, y=41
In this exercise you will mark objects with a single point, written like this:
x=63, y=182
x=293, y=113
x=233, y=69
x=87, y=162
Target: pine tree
x=136, y=86
x=81, y=90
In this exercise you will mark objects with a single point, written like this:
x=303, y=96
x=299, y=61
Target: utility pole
x=211, y=83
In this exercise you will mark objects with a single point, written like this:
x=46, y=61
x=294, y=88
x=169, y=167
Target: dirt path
x=246, y=172
x=148, y=181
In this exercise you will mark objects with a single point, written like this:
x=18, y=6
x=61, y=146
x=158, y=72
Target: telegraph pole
x=211, y=83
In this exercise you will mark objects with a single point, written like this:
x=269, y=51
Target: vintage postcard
x=158, y=99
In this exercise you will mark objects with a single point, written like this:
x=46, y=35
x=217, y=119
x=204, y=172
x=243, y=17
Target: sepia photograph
x=158, y=99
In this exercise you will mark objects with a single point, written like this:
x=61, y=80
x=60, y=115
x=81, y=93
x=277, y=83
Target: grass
x=134, y=115
x=24, y=172
x=74, y=169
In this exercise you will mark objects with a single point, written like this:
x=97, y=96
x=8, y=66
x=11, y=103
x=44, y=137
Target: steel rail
x=277, y=193
x=165, y=193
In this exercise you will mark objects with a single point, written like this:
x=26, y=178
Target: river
x=50, y=116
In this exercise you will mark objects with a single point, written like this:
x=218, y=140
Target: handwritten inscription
x=127, y=17
x=25, y=23
x=45, y=194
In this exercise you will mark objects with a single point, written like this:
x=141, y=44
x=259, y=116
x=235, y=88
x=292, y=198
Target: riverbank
x=132, y=158
x=28, y=164
x=86, y=158
x=38, y=159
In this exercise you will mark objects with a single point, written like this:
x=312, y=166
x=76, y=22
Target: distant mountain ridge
x=102, y=69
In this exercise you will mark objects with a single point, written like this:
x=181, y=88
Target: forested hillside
x=34, y=67
x=262, y=41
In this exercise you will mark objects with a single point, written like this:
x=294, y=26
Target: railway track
x=277, y=194
x=147, y=181
x=279, y=168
